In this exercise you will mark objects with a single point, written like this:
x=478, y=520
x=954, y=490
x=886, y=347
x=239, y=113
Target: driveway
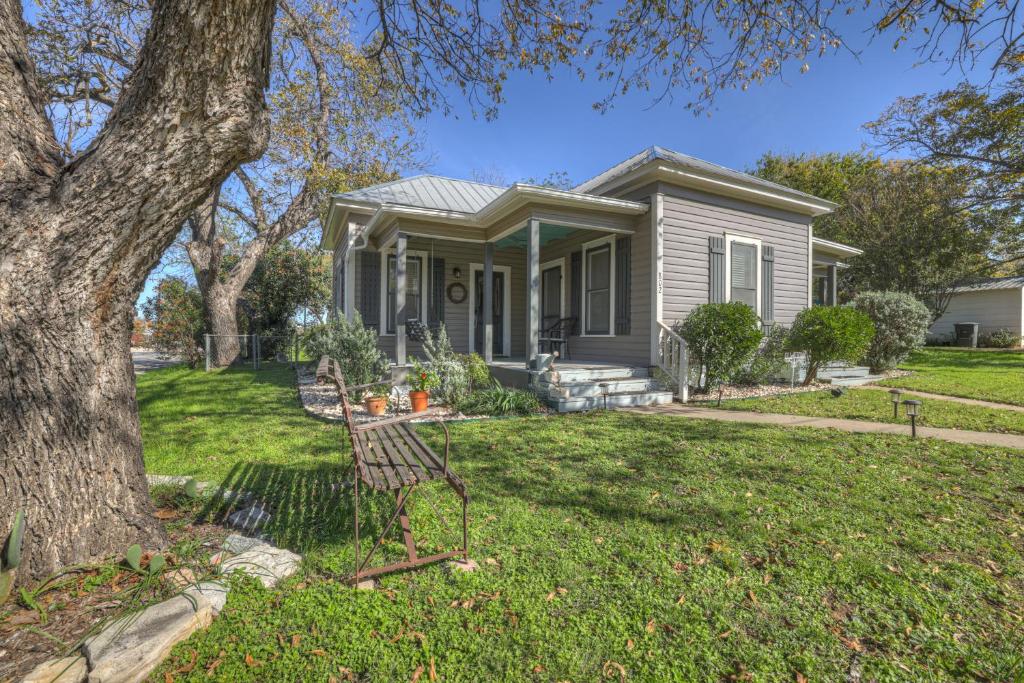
x=150, y=360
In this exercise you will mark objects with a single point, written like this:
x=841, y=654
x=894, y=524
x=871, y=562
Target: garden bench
x=388, y=455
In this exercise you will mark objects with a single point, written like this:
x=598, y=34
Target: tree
x=175, y=315
x=82, y=226
x=978, y=133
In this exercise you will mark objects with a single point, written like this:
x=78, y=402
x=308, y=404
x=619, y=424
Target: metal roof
x=992, y=284
x=430, y=192
x=671, y=156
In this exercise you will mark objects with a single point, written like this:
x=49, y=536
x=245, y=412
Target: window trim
x=729, y=239
x=587, y=247
x=384, y=254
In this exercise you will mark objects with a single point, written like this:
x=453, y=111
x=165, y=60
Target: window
x=743, y=280
x=413, y=289
x=597, y=288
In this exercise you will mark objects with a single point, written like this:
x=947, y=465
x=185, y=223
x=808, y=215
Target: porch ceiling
x=548, y=233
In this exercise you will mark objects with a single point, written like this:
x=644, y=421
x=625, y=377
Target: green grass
x=876, y=406
x=987, y=375
x=677, y=550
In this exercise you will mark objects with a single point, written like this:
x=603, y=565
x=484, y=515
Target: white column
x=400, y=271
x=657, y=271
x=533, y=289
x=487, y=310
x=349, y=304
x=833, y=286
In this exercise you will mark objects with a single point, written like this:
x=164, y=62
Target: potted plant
x=376, y=400
x=421, y=381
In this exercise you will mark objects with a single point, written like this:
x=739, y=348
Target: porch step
x=842, y=371
x=613, y=386
x=595, y=373
x=626, y=400
x=852, y=380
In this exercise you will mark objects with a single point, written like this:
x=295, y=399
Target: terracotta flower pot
x=418, y=399
x=376, y=405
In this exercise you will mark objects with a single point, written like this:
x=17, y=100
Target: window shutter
x=622, y=285
x=575, y=286
x=369, y=285
x=767, y=285
x=435, y=312
x=717, y=270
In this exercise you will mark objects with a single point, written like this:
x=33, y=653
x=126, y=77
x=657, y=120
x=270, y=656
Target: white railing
x=674, y=359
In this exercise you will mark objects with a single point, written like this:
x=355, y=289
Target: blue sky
x=545, y=127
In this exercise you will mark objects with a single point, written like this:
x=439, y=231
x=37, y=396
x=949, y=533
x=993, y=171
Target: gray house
x=995, y=304
x=609, y=266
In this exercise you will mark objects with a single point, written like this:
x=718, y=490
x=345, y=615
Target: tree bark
x=78, y=241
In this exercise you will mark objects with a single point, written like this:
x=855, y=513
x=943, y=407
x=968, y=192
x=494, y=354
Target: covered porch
x=827, y=259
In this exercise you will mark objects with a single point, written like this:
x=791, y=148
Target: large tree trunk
x=78, y=241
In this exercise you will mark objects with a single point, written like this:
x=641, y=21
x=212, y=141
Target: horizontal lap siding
x=691, y=217
x=992, y=310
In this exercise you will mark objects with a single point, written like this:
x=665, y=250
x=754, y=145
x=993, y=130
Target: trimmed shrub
x=721, y=339
x=1000, y=339
x=477, y=371
x=352, y=345
x=828, y=334
x=901, y=325
x=499, y=400
x=451, y=371
x=769, y=360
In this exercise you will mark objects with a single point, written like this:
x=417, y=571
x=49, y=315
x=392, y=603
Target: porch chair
x=388, y=455
x=556, y=337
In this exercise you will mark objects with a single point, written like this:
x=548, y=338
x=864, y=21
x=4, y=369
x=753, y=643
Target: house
x=995, y=304
x=615, y=261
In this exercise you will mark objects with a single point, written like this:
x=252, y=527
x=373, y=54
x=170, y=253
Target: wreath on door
x=456, y=292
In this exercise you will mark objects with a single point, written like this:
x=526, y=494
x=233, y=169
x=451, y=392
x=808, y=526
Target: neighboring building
x=623, y=255
x=994, y=304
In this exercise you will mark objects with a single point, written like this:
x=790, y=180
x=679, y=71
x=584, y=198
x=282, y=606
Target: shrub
x=499, y=400
x=477, y=371
x=828, y=334
x=175, y=316
x=901, y=325
x=769, y=360
x=721, y=338
x=453, y=379
x=352, y=345
x=422, y=377
x=1000, y=339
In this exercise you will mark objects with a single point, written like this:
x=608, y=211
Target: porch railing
x=674, y=360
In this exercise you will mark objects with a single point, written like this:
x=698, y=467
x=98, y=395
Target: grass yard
x=615, y=546
x=970, y=373
x=876, y=406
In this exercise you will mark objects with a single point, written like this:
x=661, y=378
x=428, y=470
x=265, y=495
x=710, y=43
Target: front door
x=550, y=296
x=498, y=312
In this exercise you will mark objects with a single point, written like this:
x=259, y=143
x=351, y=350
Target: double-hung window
x=743, y=276
x=413, y=289
x=598, y=287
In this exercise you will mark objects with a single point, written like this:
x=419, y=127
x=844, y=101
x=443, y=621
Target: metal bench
x=388, y=455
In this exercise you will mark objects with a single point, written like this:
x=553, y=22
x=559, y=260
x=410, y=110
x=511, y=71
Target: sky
x=551, y=126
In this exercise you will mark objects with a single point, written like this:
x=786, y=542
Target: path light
x=604, y=392
x=895, y=393
x=913, y=409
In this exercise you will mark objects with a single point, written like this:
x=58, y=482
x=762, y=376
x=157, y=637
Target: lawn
x=876, y=406
x=615, y=546
x=970, y=373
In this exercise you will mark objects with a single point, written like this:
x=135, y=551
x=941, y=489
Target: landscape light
x=895, y=393
x=913, y=410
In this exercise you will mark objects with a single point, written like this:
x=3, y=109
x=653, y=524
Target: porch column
x=400, y=266
x=533, y=289
x=833, y=286
x=349, y=304
x=488, y=302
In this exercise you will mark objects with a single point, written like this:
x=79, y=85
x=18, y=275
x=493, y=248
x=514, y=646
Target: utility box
x=966, y=334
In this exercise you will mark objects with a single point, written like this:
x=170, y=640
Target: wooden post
x=488, y=302
x=533, y=289
x=833, y=286
x=400, y=277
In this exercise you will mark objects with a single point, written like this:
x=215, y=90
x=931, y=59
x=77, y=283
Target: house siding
x=692, y=217
x=992, y=309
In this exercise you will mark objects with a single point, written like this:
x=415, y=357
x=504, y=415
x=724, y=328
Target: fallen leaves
x=558, y=591
x=212, y=666
x=610, y=669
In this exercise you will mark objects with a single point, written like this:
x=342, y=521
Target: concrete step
x=575, y=405
x=853, y=381
x=843, y=371
x=590, y=374
x=592, y=388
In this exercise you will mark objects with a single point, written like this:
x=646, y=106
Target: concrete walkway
x=150, y=360
x=953, y=435
x=954, y=399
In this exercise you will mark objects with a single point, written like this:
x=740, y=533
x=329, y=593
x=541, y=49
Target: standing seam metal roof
x=993, y=284
x=431, y=192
